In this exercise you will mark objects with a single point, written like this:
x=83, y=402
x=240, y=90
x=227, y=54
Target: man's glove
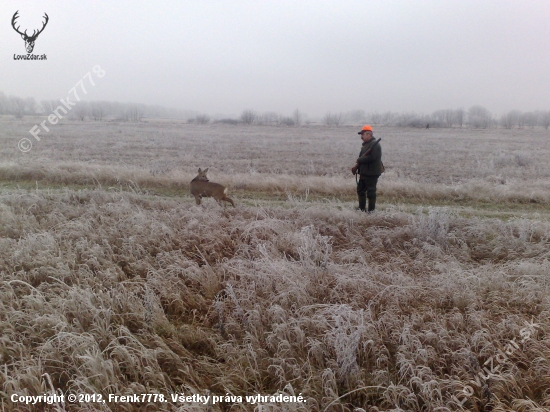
x=354, y=170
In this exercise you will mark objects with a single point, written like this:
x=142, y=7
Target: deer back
x=201, y=186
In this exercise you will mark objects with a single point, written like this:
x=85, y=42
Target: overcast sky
x=317, y=56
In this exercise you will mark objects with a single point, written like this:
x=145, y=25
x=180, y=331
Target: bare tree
x=81, y=110
x=479, y=117
x=125, y=114
x=248, y=116
x=449, y=117
x=459, y=117
x=98, y=110
x=31, y=107
x=136, y=112
x=520, y=119
x=410, y=119
x=529, y=119
x=387, y=118
x=4, y=105
x=47, y=106
x=438, y=118
x=405, y=117
x=267, y=119
x=376, y=118
x=508, y=120
x=17, y=106
x=273, y=118
x=504, y=121
x=545, y=119
x=335, y=119
x=297, y=117
x=261, y=120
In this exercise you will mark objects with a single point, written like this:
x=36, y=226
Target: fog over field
x=224, y=57
x=120, y=292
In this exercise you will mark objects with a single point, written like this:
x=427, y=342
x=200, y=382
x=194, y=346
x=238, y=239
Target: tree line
x=89, y=110
x=475, y=117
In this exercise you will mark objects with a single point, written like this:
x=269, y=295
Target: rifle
x=368, y=152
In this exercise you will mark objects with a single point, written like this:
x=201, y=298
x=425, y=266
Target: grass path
x=464, y=207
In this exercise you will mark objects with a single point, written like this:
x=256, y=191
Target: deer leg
x=228, y=200
x=198, y=199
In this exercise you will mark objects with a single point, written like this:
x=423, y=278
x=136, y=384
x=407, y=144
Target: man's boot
x=372, y=204
x=362, y=203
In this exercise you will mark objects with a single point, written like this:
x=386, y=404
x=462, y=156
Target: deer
x=29, y=40
x=202, y=187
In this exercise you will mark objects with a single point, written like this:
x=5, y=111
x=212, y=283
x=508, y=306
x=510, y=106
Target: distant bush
x=288, y=121
x=201, y=119
x=248, y=116
x=412, y=122
x=227, y=121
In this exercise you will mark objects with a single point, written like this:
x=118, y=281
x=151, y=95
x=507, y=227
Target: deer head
x=29, y=40
x=201, y=177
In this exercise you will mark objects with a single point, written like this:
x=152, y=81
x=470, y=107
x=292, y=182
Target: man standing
x=369, y=167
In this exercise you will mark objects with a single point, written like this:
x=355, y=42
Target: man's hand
x=354, y=169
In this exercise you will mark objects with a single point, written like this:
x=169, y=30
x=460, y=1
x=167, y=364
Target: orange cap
x=365, y=128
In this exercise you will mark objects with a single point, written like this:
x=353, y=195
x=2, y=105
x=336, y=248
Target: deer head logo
x=29, y=40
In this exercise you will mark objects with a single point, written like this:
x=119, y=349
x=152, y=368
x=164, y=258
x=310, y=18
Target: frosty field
x=114, y=282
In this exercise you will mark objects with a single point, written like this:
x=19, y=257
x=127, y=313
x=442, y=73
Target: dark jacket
x=371, y=164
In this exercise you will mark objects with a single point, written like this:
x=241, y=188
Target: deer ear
x=199, y=169
x=205, y=170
